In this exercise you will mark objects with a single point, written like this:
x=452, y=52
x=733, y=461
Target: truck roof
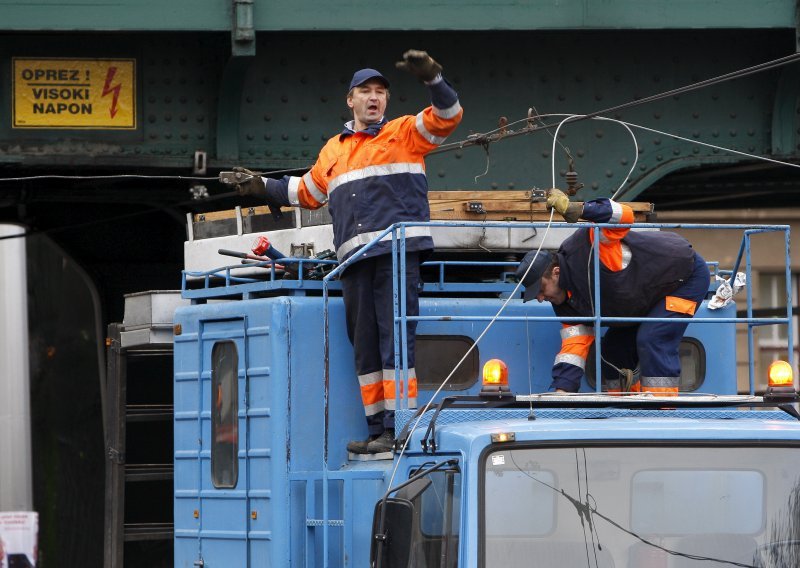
x=464, y=427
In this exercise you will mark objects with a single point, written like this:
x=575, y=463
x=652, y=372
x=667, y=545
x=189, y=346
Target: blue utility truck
x=492, y=470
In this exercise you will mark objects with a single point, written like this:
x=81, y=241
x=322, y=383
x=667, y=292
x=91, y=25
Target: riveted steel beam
x=243, y=50
x=785, y=113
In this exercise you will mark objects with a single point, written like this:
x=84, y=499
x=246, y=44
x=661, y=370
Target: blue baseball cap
x=533, y=280
x=363, y=75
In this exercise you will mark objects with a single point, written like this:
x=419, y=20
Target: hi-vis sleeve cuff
x=570, y=359
x=304, y=191
x=576, y=340
x=294, y=187
x=616, y=212
x=605, y=210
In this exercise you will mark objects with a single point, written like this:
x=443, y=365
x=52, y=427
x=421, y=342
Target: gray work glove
x=253, y=186
x=419, y=64
x=558, y=200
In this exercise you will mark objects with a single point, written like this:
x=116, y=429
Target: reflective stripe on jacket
x=637, y=268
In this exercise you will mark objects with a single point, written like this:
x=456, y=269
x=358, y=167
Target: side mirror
x=395, y=527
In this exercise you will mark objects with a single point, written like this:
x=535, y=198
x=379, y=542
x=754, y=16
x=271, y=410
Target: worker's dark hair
x=548, y=272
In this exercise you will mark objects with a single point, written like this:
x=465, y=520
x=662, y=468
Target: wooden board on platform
x=509, y=205
x=502, y=206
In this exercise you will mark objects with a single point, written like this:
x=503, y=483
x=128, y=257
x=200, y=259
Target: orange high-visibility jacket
x=376, y=177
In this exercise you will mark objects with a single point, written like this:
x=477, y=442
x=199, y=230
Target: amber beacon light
x=780, y=374
x=780, y=382
x=495, y=378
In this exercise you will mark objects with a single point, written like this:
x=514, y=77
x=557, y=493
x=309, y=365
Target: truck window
x=436, y=357
x=693, y=365
x=632, y=505
x=224, y=415
x=440, y=519
x=682, y=498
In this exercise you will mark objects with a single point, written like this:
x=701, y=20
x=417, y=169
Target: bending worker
x=372, y=175
x=642, y=274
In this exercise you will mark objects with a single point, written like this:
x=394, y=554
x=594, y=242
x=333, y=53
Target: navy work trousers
x=369, y=309
x=653, y=346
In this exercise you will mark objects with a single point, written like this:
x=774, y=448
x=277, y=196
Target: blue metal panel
x=224, y=513
x=283, y=429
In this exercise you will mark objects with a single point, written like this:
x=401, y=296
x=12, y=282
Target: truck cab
x=491, y=469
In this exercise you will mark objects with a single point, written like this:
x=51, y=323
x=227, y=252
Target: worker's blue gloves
x=558, y=200
x=419, y=64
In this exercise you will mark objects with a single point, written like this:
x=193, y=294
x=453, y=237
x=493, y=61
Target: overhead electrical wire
x=498, y=134
x=574, y=118
x=139, y=176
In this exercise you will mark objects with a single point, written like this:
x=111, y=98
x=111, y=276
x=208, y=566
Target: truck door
x=224, y=481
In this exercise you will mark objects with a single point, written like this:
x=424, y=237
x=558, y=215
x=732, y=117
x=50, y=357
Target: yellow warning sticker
x=74, y=93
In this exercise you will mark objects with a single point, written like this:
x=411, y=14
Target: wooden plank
x=454, y=214
x=462, y=195
x=231, y=213
x=452, y=205
x=489, y=199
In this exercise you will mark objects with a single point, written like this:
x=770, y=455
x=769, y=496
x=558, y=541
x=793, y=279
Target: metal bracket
x=538, y=195
x=234, y=178
x=243, y=34
x=475, y=207
x=198, y=192
x=200, y=163
x=115, y=456
x=303, y=250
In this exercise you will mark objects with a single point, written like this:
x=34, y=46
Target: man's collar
x=371, y=130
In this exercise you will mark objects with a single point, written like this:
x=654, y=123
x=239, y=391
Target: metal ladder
x=123, y=444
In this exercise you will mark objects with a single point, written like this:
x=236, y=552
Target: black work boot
x=381, y=444
x=361, y=446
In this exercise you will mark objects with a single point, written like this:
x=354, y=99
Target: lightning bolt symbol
x=108, y=89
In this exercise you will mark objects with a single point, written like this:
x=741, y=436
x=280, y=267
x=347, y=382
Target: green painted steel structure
x=312, y=15
x=274, y=109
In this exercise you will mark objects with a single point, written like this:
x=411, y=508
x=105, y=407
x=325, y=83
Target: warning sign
x=74, y=93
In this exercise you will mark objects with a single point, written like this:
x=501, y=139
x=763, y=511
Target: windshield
x=659, y=507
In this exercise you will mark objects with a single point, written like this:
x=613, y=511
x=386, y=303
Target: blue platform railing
x=397, y=234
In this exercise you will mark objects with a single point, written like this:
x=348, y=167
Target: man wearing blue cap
x=372, y=175
x=655, y=274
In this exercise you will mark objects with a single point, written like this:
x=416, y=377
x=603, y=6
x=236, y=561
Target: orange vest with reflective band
x=374, y=178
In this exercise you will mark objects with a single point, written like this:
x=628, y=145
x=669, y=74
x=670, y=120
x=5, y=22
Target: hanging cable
x=495, y=135
x=707, y=145
x=139, y=176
